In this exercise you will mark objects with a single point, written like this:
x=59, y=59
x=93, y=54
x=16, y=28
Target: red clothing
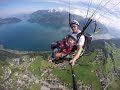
x=65, y=47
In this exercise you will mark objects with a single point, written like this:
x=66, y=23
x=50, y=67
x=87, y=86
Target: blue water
x=28, y=36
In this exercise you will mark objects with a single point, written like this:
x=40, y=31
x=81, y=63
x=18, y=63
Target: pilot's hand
x=72, y=62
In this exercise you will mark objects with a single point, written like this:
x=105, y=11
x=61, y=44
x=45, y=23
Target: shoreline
x=19, y=51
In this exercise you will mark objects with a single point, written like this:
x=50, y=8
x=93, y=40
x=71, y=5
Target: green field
x=35, y=66
x=35, y=87
x=84, y=69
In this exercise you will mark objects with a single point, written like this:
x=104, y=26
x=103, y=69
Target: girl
x=63, y=48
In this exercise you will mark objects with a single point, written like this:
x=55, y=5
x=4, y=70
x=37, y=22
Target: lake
x=26, y=36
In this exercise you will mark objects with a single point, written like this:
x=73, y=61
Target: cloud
x=102, y=36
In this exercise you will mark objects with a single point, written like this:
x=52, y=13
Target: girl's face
x=71, y=41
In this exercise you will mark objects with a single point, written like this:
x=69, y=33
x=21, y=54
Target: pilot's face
x=74, y=28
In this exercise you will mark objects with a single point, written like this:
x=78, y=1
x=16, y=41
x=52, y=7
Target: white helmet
x=74, y=22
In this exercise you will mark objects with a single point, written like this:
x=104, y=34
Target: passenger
x=63, y=48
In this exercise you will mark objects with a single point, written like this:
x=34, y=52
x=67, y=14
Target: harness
x=88, y=39
x=64, y=47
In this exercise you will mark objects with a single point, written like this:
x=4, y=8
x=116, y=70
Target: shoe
x=50, y=59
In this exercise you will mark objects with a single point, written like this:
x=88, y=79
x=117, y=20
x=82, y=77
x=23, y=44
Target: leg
x=53, y=55
x=54, y=51
x=58, y=55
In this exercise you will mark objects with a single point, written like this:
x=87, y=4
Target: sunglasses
x=73, y=26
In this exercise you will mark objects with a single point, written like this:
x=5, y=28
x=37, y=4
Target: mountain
x=103, y=44
x=50, y=17
x=96, y=44
x=9, y=20
x=61, y=18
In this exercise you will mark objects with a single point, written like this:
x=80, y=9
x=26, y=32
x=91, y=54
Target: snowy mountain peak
x=56, y=10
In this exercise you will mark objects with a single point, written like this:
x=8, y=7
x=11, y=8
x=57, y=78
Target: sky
x=107, y=13
x=9, y=7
